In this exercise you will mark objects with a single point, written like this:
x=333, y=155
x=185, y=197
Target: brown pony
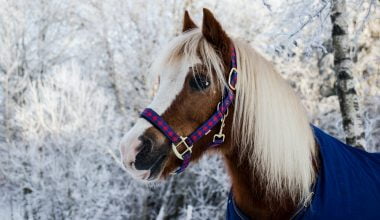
x=269, y=148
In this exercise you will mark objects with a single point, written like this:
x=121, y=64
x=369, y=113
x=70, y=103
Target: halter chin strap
x=188, y=141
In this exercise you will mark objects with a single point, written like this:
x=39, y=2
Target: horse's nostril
x=142, y=161
x=146, y=144
x=131, y=164
x=146, y=147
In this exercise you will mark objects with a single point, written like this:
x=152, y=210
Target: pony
x=217, y=94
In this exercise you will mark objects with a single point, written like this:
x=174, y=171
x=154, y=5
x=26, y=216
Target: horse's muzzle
x=144, y=158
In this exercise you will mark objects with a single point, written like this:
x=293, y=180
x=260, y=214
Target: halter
x=188, y=141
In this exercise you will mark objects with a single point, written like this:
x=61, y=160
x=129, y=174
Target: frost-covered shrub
x=64, y=163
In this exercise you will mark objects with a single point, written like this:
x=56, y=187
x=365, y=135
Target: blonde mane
x=270, y=126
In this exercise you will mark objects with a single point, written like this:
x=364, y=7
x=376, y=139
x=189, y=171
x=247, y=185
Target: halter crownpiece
x=188, y=141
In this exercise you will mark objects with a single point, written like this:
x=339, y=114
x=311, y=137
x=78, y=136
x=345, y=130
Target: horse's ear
x=188, y=23
x=214, y=33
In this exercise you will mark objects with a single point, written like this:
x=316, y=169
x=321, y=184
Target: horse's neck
x=249, y=194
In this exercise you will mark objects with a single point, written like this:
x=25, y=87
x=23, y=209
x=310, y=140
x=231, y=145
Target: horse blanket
x=347, y=186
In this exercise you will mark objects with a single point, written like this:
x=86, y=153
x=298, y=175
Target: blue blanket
x=347, y=187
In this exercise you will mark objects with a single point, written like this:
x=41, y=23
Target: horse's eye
x=199, y=82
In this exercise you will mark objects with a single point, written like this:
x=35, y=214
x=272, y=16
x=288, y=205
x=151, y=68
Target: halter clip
x=175, y=150
x=220, y=136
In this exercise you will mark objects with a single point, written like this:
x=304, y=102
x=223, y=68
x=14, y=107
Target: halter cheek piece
x=188, y=141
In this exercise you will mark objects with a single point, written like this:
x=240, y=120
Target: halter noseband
x=188, y=141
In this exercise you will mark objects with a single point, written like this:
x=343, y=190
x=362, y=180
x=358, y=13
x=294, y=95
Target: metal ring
x=225, y=114
x=230, y=77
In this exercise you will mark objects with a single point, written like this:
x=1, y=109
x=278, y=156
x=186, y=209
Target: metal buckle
x=188, y=148
x=229, y=78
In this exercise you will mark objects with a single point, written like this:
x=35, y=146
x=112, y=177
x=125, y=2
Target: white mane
x=269, y=126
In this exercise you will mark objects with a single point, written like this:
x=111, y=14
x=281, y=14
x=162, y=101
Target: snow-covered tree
x=348, y=99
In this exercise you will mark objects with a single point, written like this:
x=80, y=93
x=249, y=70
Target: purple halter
x=219, y=116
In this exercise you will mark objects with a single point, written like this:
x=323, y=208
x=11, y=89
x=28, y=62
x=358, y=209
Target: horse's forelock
x=192, y=47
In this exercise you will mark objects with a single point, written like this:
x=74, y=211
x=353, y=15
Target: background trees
x=74, y=77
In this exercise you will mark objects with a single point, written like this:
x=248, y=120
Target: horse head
x=194, y=72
